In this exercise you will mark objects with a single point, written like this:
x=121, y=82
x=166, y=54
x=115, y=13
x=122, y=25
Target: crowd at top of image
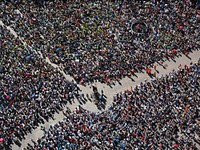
x=95, y=40
x=159, y=114
x=31, y=91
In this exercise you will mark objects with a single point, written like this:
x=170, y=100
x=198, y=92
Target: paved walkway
x=125, y=83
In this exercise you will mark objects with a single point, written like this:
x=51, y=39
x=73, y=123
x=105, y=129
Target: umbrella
x=175, y=146
x=1, y=140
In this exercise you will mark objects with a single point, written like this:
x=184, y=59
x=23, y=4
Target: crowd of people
x=98, y=41
x=95, y=40
x=159, y=114
x=31, y=91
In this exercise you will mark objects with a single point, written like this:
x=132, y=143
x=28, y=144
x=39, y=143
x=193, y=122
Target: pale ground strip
x=126, y=83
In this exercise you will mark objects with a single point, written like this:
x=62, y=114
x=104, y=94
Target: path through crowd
x=109, y=92
x=126, y=83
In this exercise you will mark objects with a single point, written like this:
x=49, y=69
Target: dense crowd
x=159, y=114
x=95, y=40
x=105, y=41
x=31, y=91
